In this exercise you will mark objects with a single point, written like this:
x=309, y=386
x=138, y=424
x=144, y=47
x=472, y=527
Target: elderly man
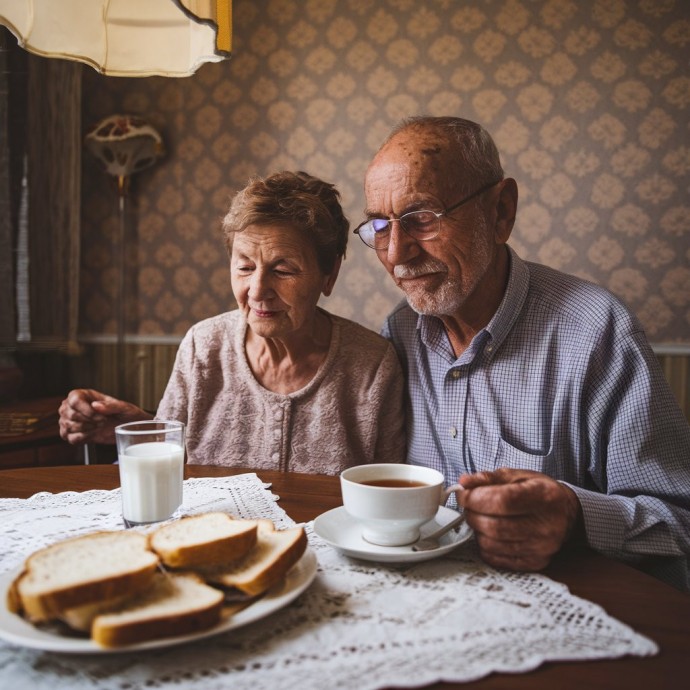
x=537, y=389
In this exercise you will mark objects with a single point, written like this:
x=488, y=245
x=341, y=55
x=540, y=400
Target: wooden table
x=646, y=604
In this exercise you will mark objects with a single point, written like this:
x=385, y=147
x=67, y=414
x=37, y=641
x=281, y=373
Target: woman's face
x=276, y=280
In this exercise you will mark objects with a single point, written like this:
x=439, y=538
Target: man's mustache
x=429, y=265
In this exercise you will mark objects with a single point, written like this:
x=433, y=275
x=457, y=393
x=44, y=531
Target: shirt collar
x=434, y=336
x=513, y=299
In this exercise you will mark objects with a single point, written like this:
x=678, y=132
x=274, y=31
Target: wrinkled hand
x=521, y=518
x=87, y=416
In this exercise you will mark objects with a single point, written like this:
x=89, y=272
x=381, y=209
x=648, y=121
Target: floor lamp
x=125, y=144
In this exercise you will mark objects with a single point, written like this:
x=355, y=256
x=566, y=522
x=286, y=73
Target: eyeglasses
x=420, y=225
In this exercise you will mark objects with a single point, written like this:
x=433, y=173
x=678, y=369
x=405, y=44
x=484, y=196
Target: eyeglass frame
x=438, y=214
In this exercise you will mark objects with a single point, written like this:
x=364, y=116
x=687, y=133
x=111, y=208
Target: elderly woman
x=278, y=383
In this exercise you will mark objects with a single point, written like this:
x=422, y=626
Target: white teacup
x=392, y=501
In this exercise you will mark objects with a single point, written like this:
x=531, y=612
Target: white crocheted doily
x=360, y=625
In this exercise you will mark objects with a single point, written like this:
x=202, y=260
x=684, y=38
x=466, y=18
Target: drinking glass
x=151, y=461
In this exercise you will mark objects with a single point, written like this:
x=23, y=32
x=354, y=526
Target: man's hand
x=87, y=416
x=521, y=518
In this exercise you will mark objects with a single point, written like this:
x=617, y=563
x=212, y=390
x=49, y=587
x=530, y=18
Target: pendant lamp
x=124, y=38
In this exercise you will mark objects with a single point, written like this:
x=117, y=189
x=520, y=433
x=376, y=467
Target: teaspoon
x=431, y=540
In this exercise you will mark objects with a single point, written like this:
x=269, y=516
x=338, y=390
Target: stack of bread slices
x=126, y=587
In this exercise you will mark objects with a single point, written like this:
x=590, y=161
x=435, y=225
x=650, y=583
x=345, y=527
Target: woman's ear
x=329, y=280
x=506, y=209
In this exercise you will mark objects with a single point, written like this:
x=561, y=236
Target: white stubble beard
x=444, y=300
x=451, y=294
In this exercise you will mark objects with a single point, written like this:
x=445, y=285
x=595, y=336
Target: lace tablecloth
x=360, y=625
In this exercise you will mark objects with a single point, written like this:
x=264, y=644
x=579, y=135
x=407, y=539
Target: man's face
x=415, y=171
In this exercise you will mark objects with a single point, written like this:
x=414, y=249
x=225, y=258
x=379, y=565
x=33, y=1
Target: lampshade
x=125, y=144
x=124, y=38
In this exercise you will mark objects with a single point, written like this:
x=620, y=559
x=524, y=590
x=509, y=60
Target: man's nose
x=401, y=247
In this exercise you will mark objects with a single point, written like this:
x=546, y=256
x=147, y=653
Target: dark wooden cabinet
x=29, y=436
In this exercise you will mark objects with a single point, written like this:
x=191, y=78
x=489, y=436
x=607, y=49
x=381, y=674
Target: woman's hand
x=87, y=416
x=521, y=518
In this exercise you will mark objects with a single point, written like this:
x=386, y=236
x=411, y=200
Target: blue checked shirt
x=561, y=381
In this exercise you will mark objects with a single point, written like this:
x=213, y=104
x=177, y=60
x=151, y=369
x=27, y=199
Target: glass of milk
x=151, y=459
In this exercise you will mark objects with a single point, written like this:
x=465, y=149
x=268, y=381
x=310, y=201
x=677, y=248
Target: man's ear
x=329, y=281
x=506, y=209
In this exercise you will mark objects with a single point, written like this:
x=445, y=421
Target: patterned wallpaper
x=588, y=100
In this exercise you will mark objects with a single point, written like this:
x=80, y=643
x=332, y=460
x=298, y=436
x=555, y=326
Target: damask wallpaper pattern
x=589, y=102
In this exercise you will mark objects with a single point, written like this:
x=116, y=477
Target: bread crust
x=203, y=540
x=51, y=605
x=171, y=626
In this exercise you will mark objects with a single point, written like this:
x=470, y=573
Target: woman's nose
x=260, y=285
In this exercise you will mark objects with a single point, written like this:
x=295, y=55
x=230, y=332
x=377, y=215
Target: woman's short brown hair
x=295, y=199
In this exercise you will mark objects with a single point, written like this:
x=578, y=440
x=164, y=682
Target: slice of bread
x=80, y=618
x=82, y=570
x=203, y=540
x=275, y=552
x=174, y=604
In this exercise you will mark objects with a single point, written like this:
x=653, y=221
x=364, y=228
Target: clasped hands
x=87, y=416
x=520, y=518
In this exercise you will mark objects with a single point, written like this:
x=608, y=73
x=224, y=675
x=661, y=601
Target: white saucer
x=342, y=532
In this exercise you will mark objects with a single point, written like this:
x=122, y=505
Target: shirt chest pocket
x=510, y=456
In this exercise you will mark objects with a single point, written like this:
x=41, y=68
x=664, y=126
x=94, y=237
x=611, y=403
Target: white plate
x=343, y=533
x=16, y=630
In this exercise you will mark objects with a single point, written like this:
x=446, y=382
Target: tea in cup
x=392, y=501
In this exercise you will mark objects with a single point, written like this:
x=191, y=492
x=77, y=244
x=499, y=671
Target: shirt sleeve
x=638, y=507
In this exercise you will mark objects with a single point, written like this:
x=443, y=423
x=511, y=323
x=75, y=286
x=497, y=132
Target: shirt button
x=490, y=348
x=275, y=457
x=455, y=373
x=453, y=431
x=278, y=416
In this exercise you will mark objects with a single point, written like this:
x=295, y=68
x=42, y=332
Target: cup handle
x=447, y=492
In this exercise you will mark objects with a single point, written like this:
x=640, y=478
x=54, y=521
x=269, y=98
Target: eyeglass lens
x=422, y=225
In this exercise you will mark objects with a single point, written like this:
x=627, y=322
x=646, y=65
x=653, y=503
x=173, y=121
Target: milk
x=151, y=481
